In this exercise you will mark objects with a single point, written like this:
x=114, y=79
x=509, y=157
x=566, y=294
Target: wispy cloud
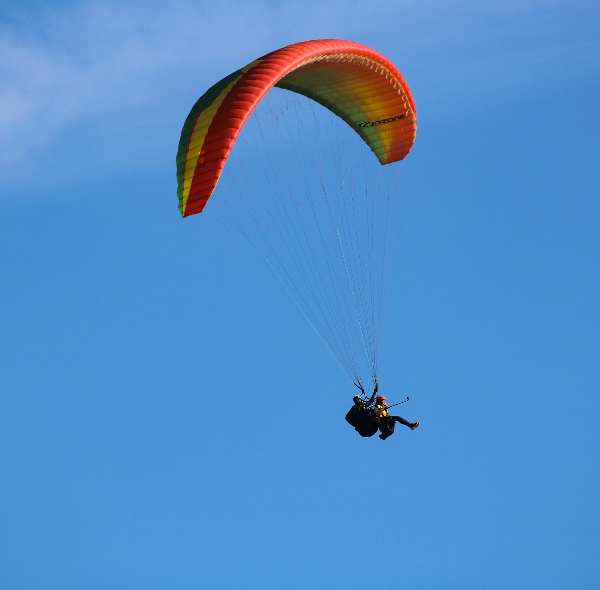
x=99, y=61
x=112, y=82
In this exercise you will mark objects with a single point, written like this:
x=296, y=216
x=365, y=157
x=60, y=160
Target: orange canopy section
x=355, y=82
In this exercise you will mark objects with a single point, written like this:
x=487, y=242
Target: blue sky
x=166, y=422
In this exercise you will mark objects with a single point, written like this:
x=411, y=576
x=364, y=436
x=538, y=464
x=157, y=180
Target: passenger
x=387, y=423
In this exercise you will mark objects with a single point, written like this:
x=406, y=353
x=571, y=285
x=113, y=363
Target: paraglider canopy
x=356, y=83
x=304, y=186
